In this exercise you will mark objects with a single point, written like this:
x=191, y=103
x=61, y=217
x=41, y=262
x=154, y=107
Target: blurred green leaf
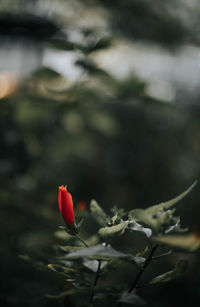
x=180, y=268
x=100, y=44
x=70, y=272
x=97, y=252
x=97, y=213
x=92, y=68
x=131, y=299
x=70, y=249
x=64, y=45
x=188, y=242
x=45, y=73
x=73, y=291
x=37, y=264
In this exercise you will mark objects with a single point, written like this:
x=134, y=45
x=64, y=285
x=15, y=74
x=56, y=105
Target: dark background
x=109, y=135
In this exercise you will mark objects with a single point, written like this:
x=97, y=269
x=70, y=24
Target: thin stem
x=81, y=240
x=142, y=270
x=95, y=280
x=162, y=255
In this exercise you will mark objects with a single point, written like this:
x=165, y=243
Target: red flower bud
x=66, y=205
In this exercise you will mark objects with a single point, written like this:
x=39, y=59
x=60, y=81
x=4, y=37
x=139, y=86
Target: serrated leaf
x=189, y=242
x=159, y=217
x=97, y=252
x=136, y=227
x=180, y=268
x=131, y=298
x=113, y=231
x=97, y=213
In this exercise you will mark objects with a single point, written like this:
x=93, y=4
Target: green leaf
x=113, y=231
x=97, y=252
x=136, y=227
x=136, y=259
x=45, y=73
x=113, y=265
x=102, y=43
x=118, y=211
x=176, y=227
x=131, y=298
x=97, y=213
x=180, y=268
x=189, y=242
x=73, y=291
x=64, y=45
x=93, y=264
x=70, y=249
x=172, y=202
x=91, y=67
x=63, y=270
x=157, y=221
x=37, y=264
x=143, y=252
x=81, y=290
x=158, y=217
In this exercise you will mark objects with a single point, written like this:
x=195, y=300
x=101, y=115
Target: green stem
x=77, y=236
x=142, y=270
x=95, y=280
x=162, y=255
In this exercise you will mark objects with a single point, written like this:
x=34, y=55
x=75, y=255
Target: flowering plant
x=88, y=264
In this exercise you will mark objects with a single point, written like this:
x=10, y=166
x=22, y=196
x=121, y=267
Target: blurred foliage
x=104, y=137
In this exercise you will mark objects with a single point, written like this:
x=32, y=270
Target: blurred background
x=102, y=96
